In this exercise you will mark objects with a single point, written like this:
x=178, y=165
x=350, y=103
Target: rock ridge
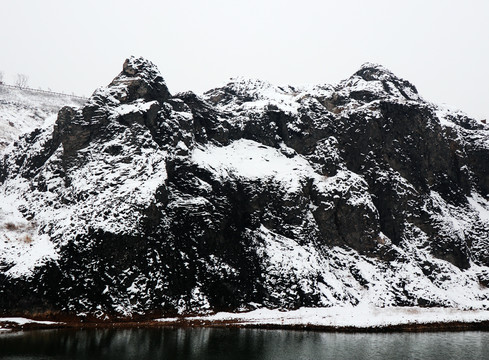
x=251, y=195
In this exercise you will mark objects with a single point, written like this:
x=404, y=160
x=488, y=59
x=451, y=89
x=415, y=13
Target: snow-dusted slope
x=250, y=196
x=22, y=110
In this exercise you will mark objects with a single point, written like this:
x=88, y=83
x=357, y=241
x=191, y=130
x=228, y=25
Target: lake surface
x=236, y=344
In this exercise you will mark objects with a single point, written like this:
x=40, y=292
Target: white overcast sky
x=441, y=46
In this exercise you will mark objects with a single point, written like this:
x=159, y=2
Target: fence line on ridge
x=43, y=91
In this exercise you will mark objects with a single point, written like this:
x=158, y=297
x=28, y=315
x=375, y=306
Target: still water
x=236, y=344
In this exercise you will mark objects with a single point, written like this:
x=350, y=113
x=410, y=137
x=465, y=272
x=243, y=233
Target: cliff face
x=250, y=195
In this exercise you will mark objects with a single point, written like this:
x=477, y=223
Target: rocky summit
x=252, y=195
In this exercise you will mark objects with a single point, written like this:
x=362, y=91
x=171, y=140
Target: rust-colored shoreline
x=185, y=323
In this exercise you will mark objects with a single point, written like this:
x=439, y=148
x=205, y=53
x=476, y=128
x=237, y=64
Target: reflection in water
x=236, y=344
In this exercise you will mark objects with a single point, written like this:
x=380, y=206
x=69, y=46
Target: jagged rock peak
x=142, y=80
x=139, y=66
x=377, y=81
x=134, y=96
x=371, y=71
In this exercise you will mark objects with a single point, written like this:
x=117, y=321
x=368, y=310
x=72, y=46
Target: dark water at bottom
x=236, y=344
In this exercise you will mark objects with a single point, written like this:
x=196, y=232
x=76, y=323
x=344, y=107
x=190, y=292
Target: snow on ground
x=23, y=321
x=20, y=321
x=21, y=248
x=443, y=114
x=24, y=255
x=481, y=205
x=361, y=316
x=252, y=160
x=258, y=94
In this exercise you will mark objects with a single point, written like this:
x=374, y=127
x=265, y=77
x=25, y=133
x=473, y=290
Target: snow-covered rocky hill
x=23, y=110
x=252, y=195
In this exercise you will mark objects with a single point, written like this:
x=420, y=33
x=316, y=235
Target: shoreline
x=336, y=319
x=8, y=327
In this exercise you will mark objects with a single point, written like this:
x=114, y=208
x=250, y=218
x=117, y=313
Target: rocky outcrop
x=251, y=195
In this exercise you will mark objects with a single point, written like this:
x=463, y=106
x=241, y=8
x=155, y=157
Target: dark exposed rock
x=140, y=79
x=252, y=195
